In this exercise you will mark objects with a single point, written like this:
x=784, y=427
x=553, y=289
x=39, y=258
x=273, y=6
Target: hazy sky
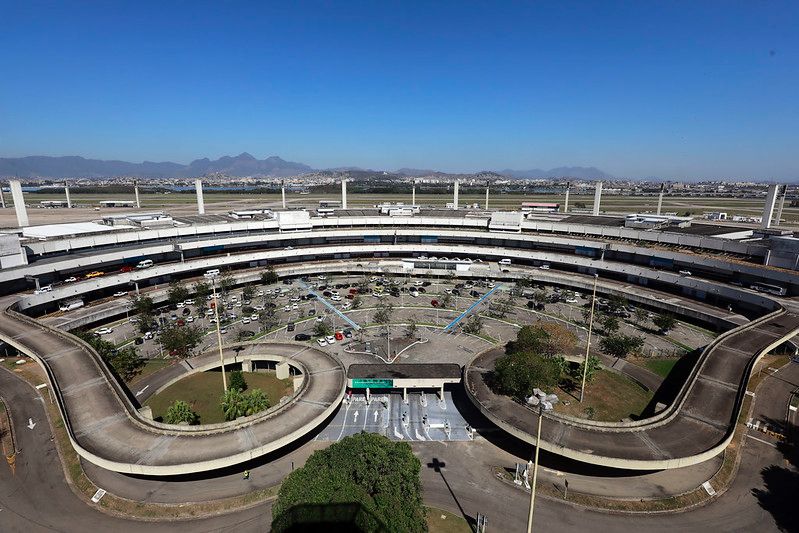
x=669, y=89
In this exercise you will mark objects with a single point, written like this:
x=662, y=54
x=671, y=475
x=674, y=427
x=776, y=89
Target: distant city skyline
x=673, y=91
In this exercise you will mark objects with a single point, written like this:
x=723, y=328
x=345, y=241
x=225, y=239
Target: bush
x=664, y=323
x=180, y=413
x=364, y=482
x=237, y=381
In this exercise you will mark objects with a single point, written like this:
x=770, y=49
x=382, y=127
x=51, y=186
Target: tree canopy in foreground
x=364, y=482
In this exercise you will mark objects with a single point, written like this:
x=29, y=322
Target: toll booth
x=367, y=377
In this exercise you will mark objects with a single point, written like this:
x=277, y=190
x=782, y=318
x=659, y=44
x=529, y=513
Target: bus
x=770, y=289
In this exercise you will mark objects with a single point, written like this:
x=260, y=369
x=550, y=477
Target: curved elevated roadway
x=697, y=426
x=106, y=428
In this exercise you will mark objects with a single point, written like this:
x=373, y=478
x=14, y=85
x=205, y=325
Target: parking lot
x=295, y=313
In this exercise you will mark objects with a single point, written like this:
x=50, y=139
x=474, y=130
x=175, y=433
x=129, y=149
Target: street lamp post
x=535, y=469
x=588, y=344
x=219, y=336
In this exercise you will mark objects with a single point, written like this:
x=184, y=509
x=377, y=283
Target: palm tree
x=233, y=404
x=255, y=402
x=180, y=412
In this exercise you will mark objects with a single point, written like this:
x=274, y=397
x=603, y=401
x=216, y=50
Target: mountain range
x=241, y=165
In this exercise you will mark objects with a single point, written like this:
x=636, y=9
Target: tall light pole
x=535, y=468
x=588, y=344
x=219, y=336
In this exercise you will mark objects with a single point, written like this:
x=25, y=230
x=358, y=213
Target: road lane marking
x=761, y=440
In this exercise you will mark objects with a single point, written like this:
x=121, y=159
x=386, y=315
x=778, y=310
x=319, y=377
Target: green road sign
x=372, y=383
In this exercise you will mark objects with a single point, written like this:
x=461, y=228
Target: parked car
x=330, y=339
x=103, y=331
x=120, y=294
x=302, y=337
x=290, y=326
x=321, y=342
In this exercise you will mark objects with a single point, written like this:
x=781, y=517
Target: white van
x=44, y=289
x=69, y=305
x=147, y=263
x=504, y=262
x=214, y=272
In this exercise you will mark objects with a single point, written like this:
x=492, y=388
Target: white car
x=188, y=302
x=330, y=339
x=253, y=317
x=237, y=304
x=223, y=331
x=321, y=342
x=544, y=267
x=571, y=300
x=71, y=279
x=190, y=319
x=120, y=294
x=42, y=290
x=414, y=293
x=260, y=293
x=133, y=319
x=321, y=277
x=245, y=321
x=295, y=307
x=103, y=331
x=286, y=308
x=320, y=318
x=259, y=307
x=336, y=298
x=178, y=305
x=346, y=305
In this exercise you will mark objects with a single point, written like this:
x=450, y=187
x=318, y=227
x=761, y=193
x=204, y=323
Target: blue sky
x=667, y=89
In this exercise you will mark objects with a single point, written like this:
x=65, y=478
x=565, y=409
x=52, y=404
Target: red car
x=127, y=268
x=339, y=335
x=434, y=303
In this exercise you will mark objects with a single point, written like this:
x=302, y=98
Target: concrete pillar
x=66, y=191
x=282, y=370
x=597, y=197
x=19, y=203
x=660, y=197
x=781, y=206
x=566, y=202
x=413, y=193
x=2, y=197
x=405, y=394
x=768, y=209
x=246, y=366
x=283, y=192
x=441, y=392
x=488, y=184
x=136, y=192
x=344, y=193
x=198, y=185
x=455, y=196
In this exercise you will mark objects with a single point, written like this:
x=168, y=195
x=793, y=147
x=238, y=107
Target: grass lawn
x=439, y=521
x=202, y=391
x=152, y=366
x=612, y=397
x=660, y=365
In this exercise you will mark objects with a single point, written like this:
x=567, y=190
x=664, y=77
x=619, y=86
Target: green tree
x=247, y=292
x=237, y=381
x=641, y=316
x=180, y=341
x=232, y=403
x=377, y=476
x=610, y=324
x=322, y=329
x=445, y=301
x=127, y=363
x=621, y=345
x=664, y=323
x=202, y=290
x=356, y=302
x=142, y=305
x=267, y=319
x=517, y=374
x=180, y=413
x=474, y=325
x=532, y=339
x=255, y=401
x=226, y=282
x=411, y=329
x=269, y=276
x=617, y=303
x=383, y=313
x=177, y=292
